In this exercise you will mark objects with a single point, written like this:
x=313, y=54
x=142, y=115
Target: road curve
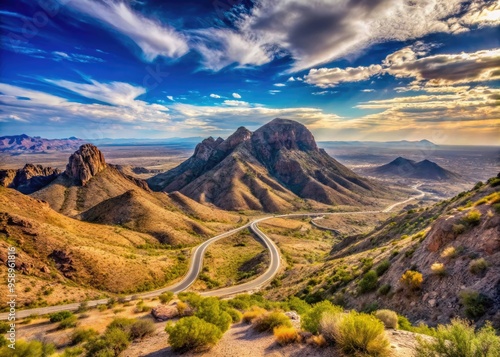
x=196, y=265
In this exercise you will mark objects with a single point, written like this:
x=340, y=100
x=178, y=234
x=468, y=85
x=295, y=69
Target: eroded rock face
x=85, y=163
x=29, y=179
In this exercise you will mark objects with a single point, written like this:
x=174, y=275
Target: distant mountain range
x=424, y=169
x=272, y=169
x=388, y=144
x=24, y=143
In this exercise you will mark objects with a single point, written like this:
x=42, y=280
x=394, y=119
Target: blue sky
x=348, y=69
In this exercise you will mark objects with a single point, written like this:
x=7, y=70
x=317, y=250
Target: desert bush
x=317, y=341
x=384, y=289
x=474, y=303
x=141, y=328
x=438, y=269
x=67, y=323
x=253, y=313
x=458, y=228
x=141, y=307
x=311, y=319
x=477, y=266
x=412, y=279
x=369, y=282
x=193, y=299
x=382, y=267
x=210, y=311
x=472, y=218
x=193, y=333
x=121, y=323
x=298, y=305
x=182, y=308
x=73, y=352
x=285, y=335
x=82, y=335
x=388, y=317
x=449, y=252
x=270, y=320
x=459, y=339
x=166, y=297
x=236, y=316
x=32, y=348
x=4, y=327
x=111, y=343
x=356, y=333
x=59, y=316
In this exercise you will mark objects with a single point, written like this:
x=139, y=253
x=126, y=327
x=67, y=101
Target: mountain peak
x=85, y=163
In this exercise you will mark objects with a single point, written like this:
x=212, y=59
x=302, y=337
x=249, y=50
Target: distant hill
x=403, y=144
x=28, y=179
x=424, y=169
x=36, y=144
x=273, y=169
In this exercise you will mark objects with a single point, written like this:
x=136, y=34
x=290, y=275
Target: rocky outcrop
x=85, y=163
x=165, y=312
x=29, y=179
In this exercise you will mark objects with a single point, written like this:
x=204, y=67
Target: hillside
x=92, y=190
x=29, y=179
x=277, y=168
x=424, y=169
x=27, y=144
x=454, y=244
x=63, y=259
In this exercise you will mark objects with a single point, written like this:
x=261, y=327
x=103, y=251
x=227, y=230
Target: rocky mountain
x=27, y=144
x=28, y=179
x=424, y=169
x=91, y=190
x=276, y=168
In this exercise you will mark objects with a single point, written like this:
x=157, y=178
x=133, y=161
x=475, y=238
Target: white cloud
x=169, y=97
x=324, y=92
x=236, y=95
x=274, y=91
x=236, y=103
x=154, y=38
x=291, y=79
x=330, y=77
x=223, y=47
x=216, y=96
x=367, y=90
x=279, y=84
x=75, y=57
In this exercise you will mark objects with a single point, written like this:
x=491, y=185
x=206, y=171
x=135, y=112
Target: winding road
x=196, y=265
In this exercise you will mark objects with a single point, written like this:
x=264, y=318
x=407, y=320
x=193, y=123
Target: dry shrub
x=388, y=317
x=270, y=320
x=254, y=312
x=317, y=341
x=285, y=335
x=412, y=279
x=449, y=252
x=438, y=269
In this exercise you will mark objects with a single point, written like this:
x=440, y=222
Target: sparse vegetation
x=193, y=333
x=59, y=316
x=438, y=269
x=449, y=252
x=388, y=317
x=285, y=335
x=382, y=267
x=474, y=303
x=473, y=217
x=166, y=297
x=80, y=335
x=369, y=282
x=312, y=318
x=28, y=349
x=478, y=266
x=459, y=339
x=412, y=279
x=384, y=289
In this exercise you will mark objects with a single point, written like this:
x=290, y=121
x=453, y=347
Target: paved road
x=196, y=265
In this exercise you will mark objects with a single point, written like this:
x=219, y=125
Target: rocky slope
x=28, y=179
x=454, y=244
x=277, y=168
x=27, y=144
x=424, y=169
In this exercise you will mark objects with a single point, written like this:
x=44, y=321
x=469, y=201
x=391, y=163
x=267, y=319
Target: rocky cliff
x=28, y=179
x=85, y=163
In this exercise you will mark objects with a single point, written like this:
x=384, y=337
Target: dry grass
x=285, y=335
x=254, y=312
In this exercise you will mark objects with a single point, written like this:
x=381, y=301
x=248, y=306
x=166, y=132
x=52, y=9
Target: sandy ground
x=242, y=341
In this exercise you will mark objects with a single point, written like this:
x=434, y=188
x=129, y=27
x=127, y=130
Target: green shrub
x=4, y=327
x=474, y=303
x=82, y=335
x=404, y=323
x=369, y=282
x=356, y=333
x=311, y=319
x=298, y=305
x=59, y=316
x=28, y=349
x=460, y=340
x=478, y=266
x=141, y=328
x=236, y=316
x=412, y=279
x=166, y=297
x=384, y=289
x=111, y=343
x=388, y=317
x=382, y=267
x=121, y=323
x=253, y=313
x=270, y=320
x=73, y=352
x=458, y=229
x=210, y=310
x=473, y=217
x=67, y=323
x=193, y=333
